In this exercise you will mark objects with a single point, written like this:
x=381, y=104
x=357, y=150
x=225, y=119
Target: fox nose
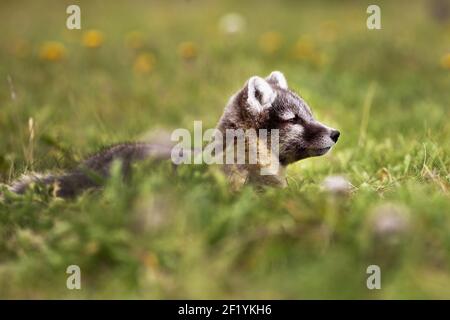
x=335, y=135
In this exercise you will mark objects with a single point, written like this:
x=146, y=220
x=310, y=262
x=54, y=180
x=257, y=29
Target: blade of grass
x=366, y=113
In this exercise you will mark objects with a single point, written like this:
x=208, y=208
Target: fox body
x=260, y=104
x=90, y=173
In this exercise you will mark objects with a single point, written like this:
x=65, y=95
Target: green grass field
x=137, y=66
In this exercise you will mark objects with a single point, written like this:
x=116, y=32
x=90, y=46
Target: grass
x=184, y=234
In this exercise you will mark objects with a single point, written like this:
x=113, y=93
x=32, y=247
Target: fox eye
x=294, y=119
x=289, y=117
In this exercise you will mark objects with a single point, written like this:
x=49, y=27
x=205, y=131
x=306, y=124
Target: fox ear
x=277, y=78
x=260, y=94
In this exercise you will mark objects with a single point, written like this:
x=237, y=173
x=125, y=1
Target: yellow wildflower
x=52, y=51
x=134, y=40
x=144, y=63
x=328, y=31
x=270, y=42
x=304, y=49
x=92, y=39
x=187, y=50
x=445, y=61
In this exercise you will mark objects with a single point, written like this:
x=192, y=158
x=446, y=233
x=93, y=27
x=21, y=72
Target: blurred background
x=136, y=66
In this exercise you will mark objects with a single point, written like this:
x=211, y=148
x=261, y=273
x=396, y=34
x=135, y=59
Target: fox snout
x=307, y=139
x=316, y=135
x=323, y=139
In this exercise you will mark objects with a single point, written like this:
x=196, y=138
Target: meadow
x=137, y=66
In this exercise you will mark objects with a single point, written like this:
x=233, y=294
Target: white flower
x=232, y=23
x=338, y=185
x=389, y=221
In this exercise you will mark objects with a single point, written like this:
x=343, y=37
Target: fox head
x=269, y=104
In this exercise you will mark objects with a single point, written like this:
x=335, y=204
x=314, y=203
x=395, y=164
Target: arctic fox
x=260, y=104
